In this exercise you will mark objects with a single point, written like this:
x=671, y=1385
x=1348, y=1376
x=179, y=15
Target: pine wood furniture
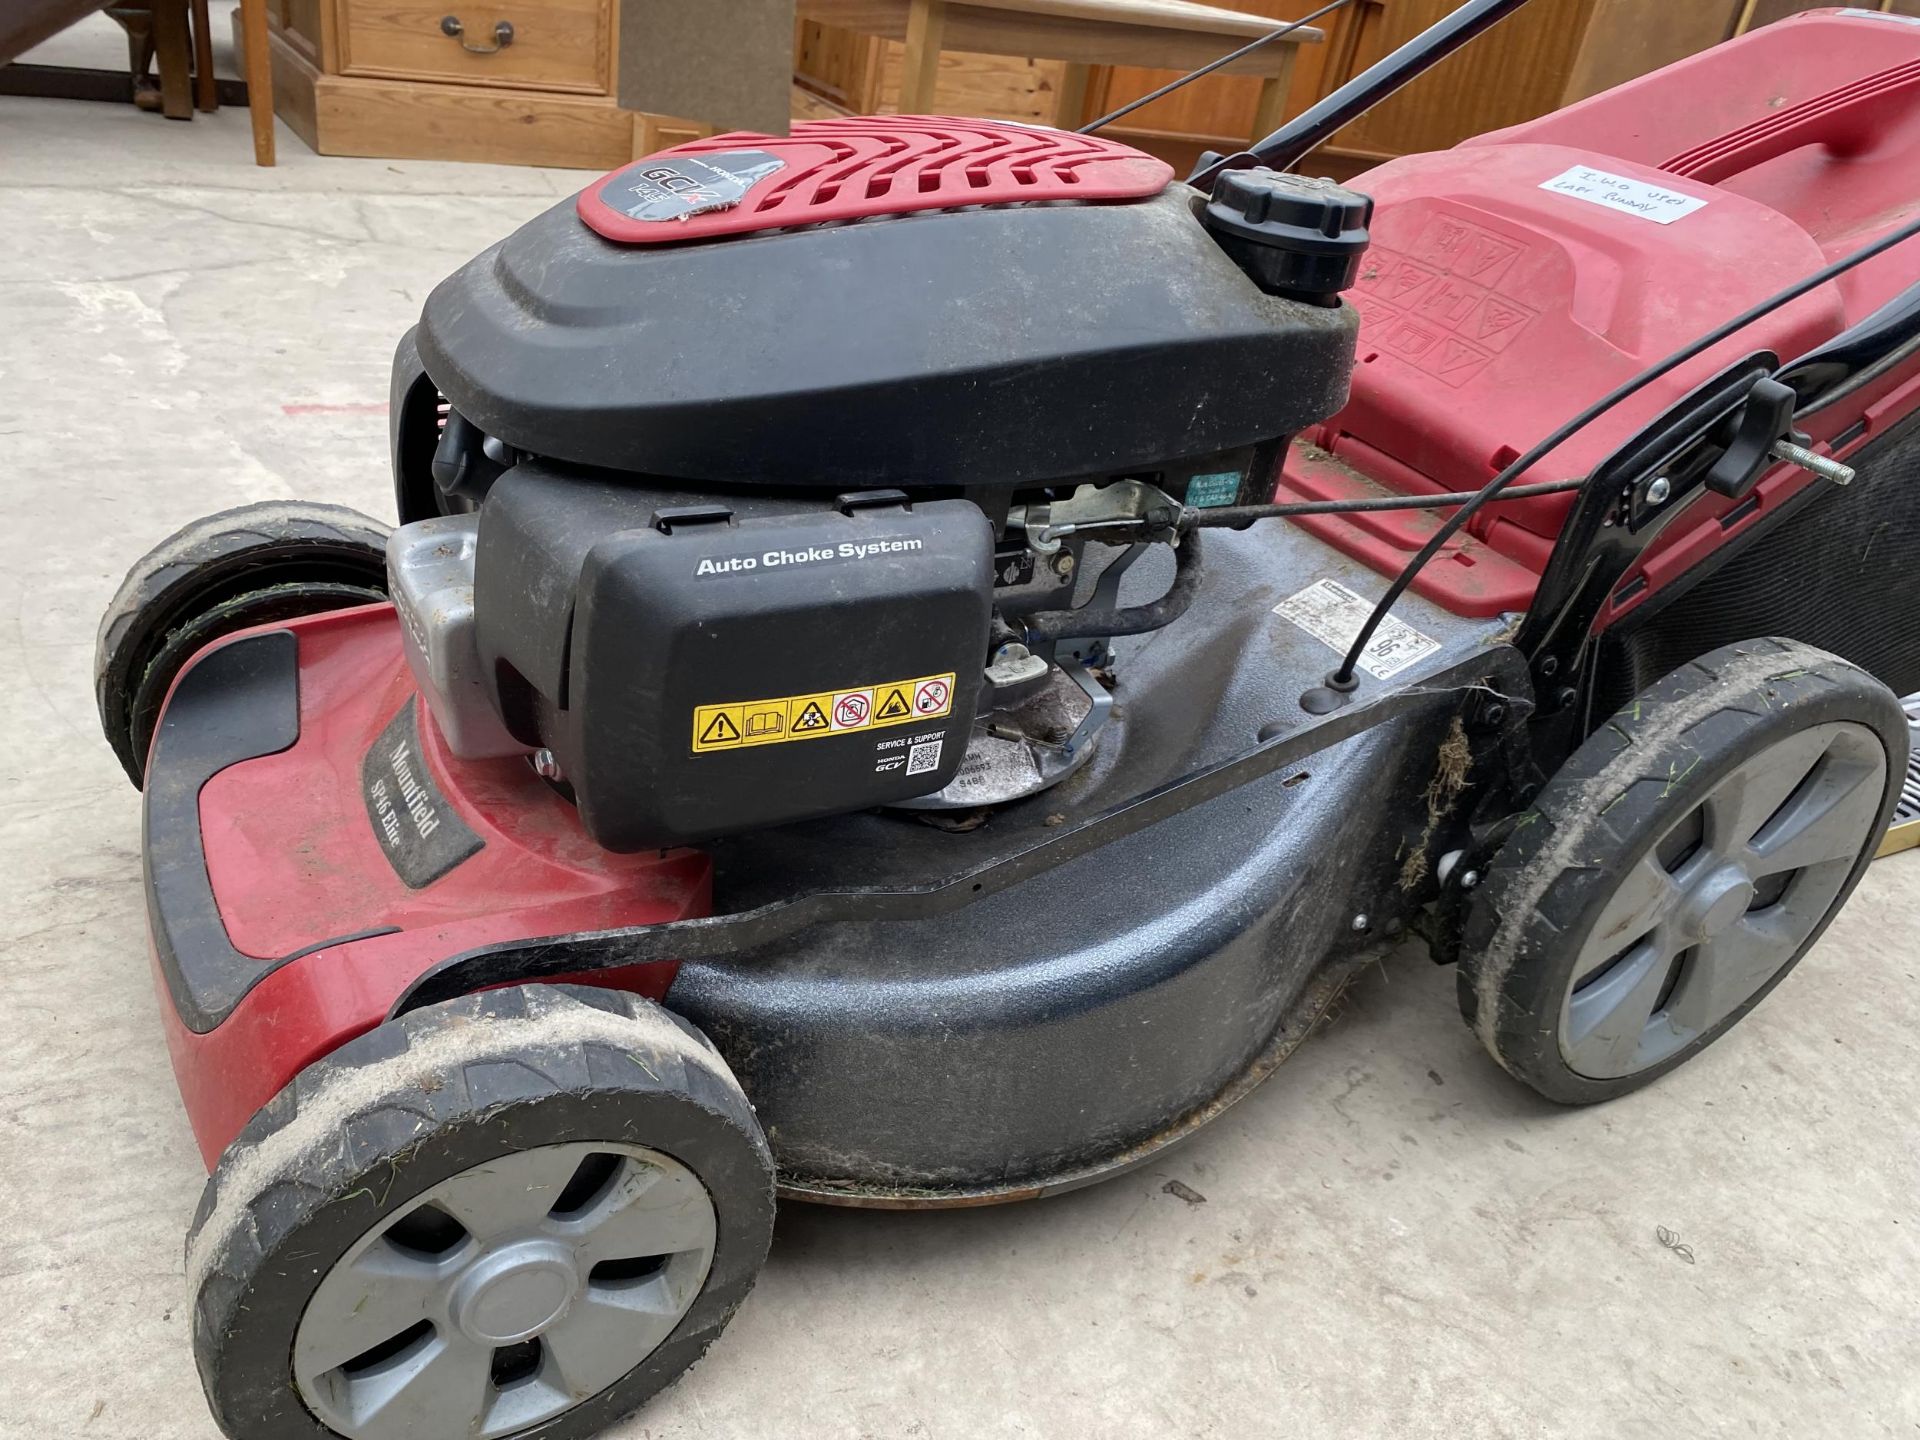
x=1078, y=34
x=533, y=81
x=511, y=81
x=1549, y=54
x=392, y=78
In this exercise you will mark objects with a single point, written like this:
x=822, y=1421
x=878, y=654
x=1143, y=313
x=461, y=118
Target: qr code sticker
x=923, y=757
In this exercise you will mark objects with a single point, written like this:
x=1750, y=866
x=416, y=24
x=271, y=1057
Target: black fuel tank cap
x=1296, y=236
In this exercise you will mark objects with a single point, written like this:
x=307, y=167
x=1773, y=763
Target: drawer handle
x=502, y=36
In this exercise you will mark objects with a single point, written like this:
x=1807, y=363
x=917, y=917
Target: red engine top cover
x=844, y=169
x=1517, y=278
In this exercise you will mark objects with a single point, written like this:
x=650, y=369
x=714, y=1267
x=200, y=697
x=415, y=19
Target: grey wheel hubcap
x=506, y=1294
x=1724, y=899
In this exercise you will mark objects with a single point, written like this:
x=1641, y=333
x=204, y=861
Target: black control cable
x=1210, y=67
x=1343, y=677
x=1234, y=517
x=1315, y=125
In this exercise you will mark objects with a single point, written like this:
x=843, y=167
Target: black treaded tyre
x=1678, y=866
x=252, y=565
x=428, y=1232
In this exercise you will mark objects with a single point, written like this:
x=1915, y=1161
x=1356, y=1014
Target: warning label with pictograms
x=746, y=723
x=722, y=728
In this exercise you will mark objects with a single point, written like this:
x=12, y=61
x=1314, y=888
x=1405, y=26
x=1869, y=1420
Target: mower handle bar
x=1283, y=149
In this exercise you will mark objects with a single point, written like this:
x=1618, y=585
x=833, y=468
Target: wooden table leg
x=1272, y=109
x=920, y=74
x=253, y=31
x=206, y=94
x=171, y=57
x=1070, y=108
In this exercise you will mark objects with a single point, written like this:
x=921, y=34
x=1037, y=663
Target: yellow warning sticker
x=722, y=727
x=764, y=721
x=746, y=723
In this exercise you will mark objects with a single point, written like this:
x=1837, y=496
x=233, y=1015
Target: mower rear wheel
x=516, y=1213
x=1678, y=866
x=254, y=565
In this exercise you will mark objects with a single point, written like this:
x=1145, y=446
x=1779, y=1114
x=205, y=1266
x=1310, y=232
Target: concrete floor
x=1395, y=1240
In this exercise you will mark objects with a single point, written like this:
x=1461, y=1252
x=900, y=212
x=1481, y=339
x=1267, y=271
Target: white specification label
x=1617, y=192
x=1333, y=614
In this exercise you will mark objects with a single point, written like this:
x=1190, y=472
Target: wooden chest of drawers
x=512, y=81
x=558, y=45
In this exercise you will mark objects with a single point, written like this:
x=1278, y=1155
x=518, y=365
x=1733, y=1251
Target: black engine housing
x=624, y=418
x=1002, y=346
x=705, y=668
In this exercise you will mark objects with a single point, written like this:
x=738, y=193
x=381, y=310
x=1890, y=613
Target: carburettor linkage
x=1129, y=509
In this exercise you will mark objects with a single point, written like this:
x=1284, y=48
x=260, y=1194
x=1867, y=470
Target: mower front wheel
x=1678, y=866
x=516, y=1213
x=254, y=565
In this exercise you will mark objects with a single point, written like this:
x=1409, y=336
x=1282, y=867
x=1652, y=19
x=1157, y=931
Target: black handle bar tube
x=1284, y=147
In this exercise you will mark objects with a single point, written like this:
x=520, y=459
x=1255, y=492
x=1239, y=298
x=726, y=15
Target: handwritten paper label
x=1617, y=192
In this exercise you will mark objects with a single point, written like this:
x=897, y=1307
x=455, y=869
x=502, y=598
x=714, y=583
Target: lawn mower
x=919, y=655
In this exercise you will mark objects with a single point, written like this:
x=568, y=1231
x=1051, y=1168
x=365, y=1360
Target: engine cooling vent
x=847, y=169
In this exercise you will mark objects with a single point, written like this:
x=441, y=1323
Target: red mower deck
x=281, y=928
